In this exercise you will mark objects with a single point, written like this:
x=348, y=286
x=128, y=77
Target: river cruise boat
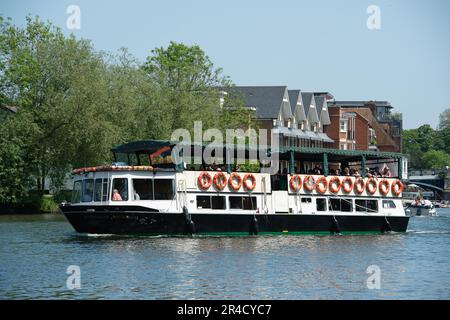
x=143, y=193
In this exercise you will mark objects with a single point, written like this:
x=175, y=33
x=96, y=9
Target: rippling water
x=35, y=252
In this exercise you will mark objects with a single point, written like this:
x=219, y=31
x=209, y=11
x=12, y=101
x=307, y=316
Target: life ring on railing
x=347, y=184
x=245, y=180
x=359, y=185
x=296, y=183
x=220, y=181
x=322, y=184
x=383, y=186
x=204, y=180
x=309, y=183
x=397, y=187
x=335, y=184
x=231, y=184
x=371, y=185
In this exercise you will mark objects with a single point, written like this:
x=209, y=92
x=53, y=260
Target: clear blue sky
x=309, y=45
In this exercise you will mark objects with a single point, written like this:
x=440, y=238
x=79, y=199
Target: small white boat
x=421, y=208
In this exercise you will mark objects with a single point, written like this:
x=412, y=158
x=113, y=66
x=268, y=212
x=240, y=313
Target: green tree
x=436, y=159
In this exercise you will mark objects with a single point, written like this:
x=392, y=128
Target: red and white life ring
x=245, y=182
x=359, y=185
x=347, y=184
x=335, y=184
x=309, y=183
x=231, y=184
x=383, y=186
x=397, y=187
x=220, y=181
x=296, y=183
x=322, y=184
x=204, y=180
x=371, y=185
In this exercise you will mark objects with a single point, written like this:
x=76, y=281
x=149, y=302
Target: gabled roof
x=322, y=110
x=308, y=102
x=266, y=99
x=297, y=105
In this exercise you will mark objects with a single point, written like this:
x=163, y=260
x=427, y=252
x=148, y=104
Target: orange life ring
x=359, y=185
x=309, y=183
x=383, y=186
x=231, y=183
x=322, y=185
x=347, y=184
x=371, y=185
x=220, y=181
x=296, y=183
x=244, y=181
x=335, y=184
x=397, y=187
x=204, y=180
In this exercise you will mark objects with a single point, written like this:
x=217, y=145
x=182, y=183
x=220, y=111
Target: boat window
x=366, y=205
x=88, y=190
x=306, y=200
x=389, y=204
x=163, y=189
x=246, y=203
x=143, y=189
x=345, y=205
x=321, y=204
x=121, y=185
x=211, y=202
x=76, y=193
x=101, y=190
x=335, y=204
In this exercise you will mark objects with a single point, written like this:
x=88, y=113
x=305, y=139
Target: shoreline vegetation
x=64, y=105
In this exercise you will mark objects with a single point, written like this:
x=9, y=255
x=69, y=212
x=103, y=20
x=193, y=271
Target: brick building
x=364, y=125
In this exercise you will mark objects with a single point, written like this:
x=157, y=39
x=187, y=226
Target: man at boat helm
x=116, y=195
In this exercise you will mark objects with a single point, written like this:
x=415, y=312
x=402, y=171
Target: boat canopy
x=285, y=153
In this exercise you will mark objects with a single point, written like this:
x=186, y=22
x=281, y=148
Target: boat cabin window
x=143, y=189
x=153, y=189
x=246, y=203
x=101, y=189
x=366, y=205
x=306, y=200
x=344, y=205
x=321, y=204
x=120, y=189
x=88, y=190
x=163, y=189
x=76, y=193
x=211, y=202
x=389, y=204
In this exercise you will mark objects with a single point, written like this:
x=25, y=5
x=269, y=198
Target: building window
x=343, y=146
x=343, y=125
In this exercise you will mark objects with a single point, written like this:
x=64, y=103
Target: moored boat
x=164, y=199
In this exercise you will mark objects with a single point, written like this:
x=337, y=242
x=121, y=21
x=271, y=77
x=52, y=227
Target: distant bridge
x=438, y=181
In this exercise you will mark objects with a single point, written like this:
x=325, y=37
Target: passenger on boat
x=355, y=173
x=346, y=171
x=369, y=173
x=116, y=195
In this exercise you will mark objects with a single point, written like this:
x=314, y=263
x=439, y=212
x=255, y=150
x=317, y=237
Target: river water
x=36, y=252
